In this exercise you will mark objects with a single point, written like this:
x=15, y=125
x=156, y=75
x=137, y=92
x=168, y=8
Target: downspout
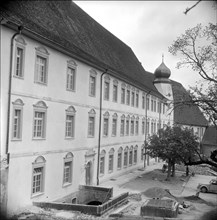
x=100, y=118
x=146, y=119
x=20, y=28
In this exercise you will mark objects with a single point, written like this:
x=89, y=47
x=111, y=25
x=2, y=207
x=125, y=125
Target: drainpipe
x=146, y=119
x=20, y=28
x=100, y=118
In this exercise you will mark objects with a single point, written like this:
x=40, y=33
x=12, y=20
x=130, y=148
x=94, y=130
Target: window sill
x=69, y=138
x=18, y=77
x=16, y=139
x=70, y=90
x=38, y=139
x=41, y=83
x=90, y=136
x=37, y=194
x=66, y=185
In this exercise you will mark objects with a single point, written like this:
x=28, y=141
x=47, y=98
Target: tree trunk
x=169, y=171
x=173, y=169
x=187, y=171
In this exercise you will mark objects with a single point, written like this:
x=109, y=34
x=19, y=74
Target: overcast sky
x=150, y=27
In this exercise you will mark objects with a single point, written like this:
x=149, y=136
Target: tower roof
x=162, y=71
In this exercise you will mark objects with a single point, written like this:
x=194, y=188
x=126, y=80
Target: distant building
x=56, y=64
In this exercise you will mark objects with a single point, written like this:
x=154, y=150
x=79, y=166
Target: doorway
x=89, y=173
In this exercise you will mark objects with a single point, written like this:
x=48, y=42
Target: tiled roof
x=186, y=114
x=210, y=136
x=68, y=25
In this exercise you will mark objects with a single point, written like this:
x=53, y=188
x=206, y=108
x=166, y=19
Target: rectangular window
x=92, y=86
x=69, y=126
x=143, y=127
x=135, y=156
x=122, y=127
x=122, y=95
x=137, y=100
x=125, y=158
x=127, y=127
x=17, y=124
x=105, y=127
x=115, y=93
x=133, y=99
x=37, y=180
x=148, y=107
x=137, y=127
x=131, y=157
x=19, y=62
x=39, y=124
x=70, y=85
x=111, y=160
x=114, y=127
x=128, y=97
x=41, y=69
x=155, y=106
x=163, y=108
x=119, y=160
x=67, y=177
x=143, y=102
x=102, y=165
x=158, y=107
x=148, y=127
x=91, y=125
x=106, y=90
x=152, y=105
x=142, y=152
x=132, y=127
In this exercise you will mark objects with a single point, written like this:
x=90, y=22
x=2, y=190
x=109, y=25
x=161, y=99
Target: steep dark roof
x=186, y=114
x=65, y=23
x=210, y=136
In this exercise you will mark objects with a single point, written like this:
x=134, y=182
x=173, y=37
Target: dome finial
x=162, y=57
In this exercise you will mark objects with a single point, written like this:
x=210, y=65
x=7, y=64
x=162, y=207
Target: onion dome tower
x=162, y=81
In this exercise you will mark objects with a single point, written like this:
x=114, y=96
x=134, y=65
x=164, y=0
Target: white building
x=57, y=63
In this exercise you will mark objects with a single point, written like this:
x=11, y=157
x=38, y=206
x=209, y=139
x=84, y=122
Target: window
x=147, y=103
x=119, y=165
x=152, y=127
x=143, y=126
x=143, y=101
x=111, y=160
x=131, y=156
x=106, y=88
x=114, y=125
x=132, y=126
x=115, y=91
x=127, y=126
x=122, y=125
x=148, y=126
x=19, y=57
x=41, y=70
x=91, y=123
x=128, y=97
x=38, y=176
x=163, y=108
x=67, y=171
x=126, y=157
x=123, y=94
x=70, y=85
x=132, y=98
x=102, y=162
x=92, y=83
x=142, y=152
x=152, y=105
x=39, y=120
x=158, y=107
x=137, y=126
x=17, y=120
x=105, y=124
x=135, y=155
x=70, y=122
x=137, y=100
x=155, y=106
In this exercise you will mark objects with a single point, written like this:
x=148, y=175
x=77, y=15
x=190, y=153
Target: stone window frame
x=137, y=126
x=128, y=125
x=133, y=97
x=143, y=125
x=71, y=64
x=126, y=152
x=70, y=111
x=106, y=116
x=39, y=162
x=91, y=114
x=43, y=53
x=102, y=155
x=115, y=84
x=132, y=131
x=40, y=107
x=123, y=95
x=137, y=98
x=114, y=118
x=131, y=155
x=135, y=154
x=106, y=93
x=120, y=151
x=122, y=125
x=128, y=95
x=21, y=44
x=69, y=158
x=92, y=73
x=111, y=156
x=17, y=105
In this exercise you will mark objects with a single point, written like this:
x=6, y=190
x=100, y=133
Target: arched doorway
x=89, y=173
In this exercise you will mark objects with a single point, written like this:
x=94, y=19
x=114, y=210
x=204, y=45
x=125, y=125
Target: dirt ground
x=147, y=185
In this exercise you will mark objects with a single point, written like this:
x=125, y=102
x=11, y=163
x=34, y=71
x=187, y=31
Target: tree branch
x=188, y=9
